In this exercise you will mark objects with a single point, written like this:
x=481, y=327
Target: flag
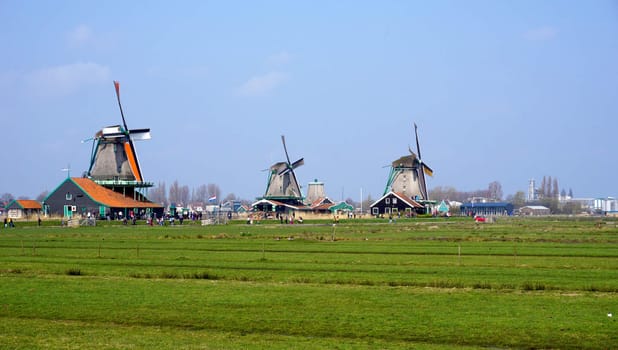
x=212, y=198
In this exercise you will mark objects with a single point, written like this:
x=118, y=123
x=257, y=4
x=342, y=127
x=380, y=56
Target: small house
x=396, y=203
x=23, y=208
x=534, y=210
x=81, y=196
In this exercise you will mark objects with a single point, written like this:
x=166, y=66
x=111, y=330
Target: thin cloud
x=80, y=36
x=541, y=34
x=263, y=84
x=281, y=57
x=66, y=79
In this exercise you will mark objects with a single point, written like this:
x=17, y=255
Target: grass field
x=418, y=283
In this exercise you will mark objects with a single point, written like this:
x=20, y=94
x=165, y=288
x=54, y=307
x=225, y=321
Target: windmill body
x=113, y=162
x=282, y=189
x=404, y=177
x=112, y=159
x=407, y=175
x=281, y=183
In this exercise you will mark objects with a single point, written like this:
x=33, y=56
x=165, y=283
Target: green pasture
x=417, y=283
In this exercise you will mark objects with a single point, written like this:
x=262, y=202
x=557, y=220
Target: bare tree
x=230, y=197
x=519, y=199
x=214, y=190
x=555, y=190
x=495, y=190
x=42, y=196
x=174, y=193
x=367, y=202
x=352, y=202
x=6, y=198
x=543, y=188
x=184, y=195
x=200, y=194
x=159, y=194
x=448, y=192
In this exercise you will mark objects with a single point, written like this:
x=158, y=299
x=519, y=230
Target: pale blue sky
x=501, y=90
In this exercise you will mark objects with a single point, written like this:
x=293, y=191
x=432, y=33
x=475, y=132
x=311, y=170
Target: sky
x=501, y=91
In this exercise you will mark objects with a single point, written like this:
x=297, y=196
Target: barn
x=534, y=210
x=80, y=196
x=23, y=208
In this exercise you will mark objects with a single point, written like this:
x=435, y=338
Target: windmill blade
x=117, y=87
x=421, y=179
x=128, y=146
x=285, y=149
x=294, y=165
x=290, y=167
x=427, y=170
x=298, y=163
x=140, y=134
x=418, y=148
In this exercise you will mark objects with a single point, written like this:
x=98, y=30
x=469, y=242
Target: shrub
x=74, y=272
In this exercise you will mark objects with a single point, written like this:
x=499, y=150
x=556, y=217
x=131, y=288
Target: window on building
x=394, y=200
x=387, y=201
x=375, y=210
x=69, y=196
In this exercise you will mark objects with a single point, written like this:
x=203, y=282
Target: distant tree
x=184, y=195
x=551, y=203
x=495, y=190
x=352, y=202
x=174, y=193
x=6, y=198
x=200, y=194
x=230, y=197
x=367, y=202
x=159, y=194
x=214, y=190
x=519, y=199
x=42, y=196
x=448, y=192
x=555, y=190
x=548, y=193
x=563, y=193
x=570, y=192
x=571, y=208
x=543, y=188
x=23, y=197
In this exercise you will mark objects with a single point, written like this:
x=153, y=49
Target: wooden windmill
x=113, y=161
x=282, y=183
x=407, y=174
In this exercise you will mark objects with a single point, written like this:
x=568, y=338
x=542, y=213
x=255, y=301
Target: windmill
x=282, y=184
x=113, y=160
x=407, y=174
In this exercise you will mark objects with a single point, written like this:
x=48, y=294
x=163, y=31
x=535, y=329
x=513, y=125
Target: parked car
x=479, y=218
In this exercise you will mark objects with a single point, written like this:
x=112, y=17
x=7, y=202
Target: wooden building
x=80, y=196
x=534, y=210
x=23, y=208
x=395, y=203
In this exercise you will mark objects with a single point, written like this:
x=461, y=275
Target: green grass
x=424, y=283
